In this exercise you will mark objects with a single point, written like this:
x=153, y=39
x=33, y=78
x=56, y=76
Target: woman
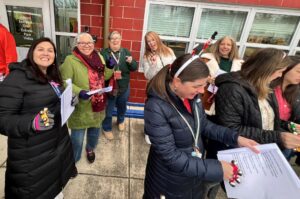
x=286, y=98
x=241, y=100
x=40, y=158
x=86, y=68
x=173, y=112
x=223, y=57
x=156, y=56
x=121, y=60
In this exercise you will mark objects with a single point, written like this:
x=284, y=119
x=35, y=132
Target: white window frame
x=192, y=39
x=68, y=34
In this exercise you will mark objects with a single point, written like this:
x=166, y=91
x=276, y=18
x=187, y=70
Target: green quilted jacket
x=83, y=116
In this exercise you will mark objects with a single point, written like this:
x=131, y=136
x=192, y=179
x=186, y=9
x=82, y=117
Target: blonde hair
x=234, y=54
x=258, y=68
x=162, y=49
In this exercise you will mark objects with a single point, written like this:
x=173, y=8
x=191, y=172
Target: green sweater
x=124, y=66
x=83, y=116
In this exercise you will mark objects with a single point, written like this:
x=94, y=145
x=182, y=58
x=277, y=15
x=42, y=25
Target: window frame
x=242, y=43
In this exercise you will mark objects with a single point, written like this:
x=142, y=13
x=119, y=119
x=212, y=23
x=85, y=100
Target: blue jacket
x=171, y=169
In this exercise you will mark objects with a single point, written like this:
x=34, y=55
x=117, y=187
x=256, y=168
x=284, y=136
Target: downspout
x=106, y=22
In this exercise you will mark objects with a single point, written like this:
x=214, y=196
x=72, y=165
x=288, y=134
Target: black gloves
x=83, y=95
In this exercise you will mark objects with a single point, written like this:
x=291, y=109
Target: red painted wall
x=127, y=17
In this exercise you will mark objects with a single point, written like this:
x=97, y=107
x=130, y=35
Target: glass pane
x=170, y=20
x=273, y=29
x=250, y=50
x=298, y=53
x=66, y=12
x=64, y=47
x=225, y=22
x=179, y=48
x=25, y=23
x=299, y=43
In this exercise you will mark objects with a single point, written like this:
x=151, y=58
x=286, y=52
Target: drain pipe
x=106, y=22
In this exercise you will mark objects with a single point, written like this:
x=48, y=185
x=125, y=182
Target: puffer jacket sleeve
x=12, y=123
x=230, y=110
x=216, y=132
x=157, y=126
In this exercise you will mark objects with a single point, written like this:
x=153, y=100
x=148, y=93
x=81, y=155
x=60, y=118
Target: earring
x=175, y=89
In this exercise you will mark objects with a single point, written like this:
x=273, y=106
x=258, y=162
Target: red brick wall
x=127, y=16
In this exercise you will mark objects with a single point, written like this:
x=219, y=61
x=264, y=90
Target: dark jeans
x=77, y=137
x=120, y=102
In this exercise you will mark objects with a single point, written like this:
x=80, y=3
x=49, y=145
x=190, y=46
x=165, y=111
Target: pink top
x=283, y=106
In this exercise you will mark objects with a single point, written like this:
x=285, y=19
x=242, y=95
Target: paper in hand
x=100, y=91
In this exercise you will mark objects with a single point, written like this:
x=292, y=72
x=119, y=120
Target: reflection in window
x=298, y=53
x=225, y=22
x=170, y=20
x=65, y=12
x=25, y=23
x=273, y=29
x=64, y=47
x=299, y=43
x=179, y=48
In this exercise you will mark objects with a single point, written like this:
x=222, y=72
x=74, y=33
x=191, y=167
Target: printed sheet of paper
x=66, y=109
x=213, y=88
x=100, y=91
x=267, y=175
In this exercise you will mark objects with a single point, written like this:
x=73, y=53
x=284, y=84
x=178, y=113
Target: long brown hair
x=214, y=49
x=258, y=68
x=197, y=69
x=53, y=73
x=291, y=91
x=162, y=49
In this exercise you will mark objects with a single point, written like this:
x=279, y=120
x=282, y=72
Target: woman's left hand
x=245, y=142
x=129, y=59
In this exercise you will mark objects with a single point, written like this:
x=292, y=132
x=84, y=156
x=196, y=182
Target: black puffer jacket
x=237, y=108
x=171, y=170
x=39, y=164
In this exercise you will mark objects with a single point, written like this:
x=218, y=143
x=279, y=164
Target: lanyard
x=117, y=59
x=195, y=136
x=55, y=87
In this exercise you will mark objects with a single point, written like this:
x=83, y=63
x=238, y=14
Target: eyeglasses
x=85, y=43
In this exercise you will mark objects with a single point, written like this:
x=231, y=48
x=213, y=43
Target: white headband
x=185, y=65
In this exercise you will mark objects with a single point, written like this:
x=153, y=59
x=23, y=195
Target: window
x=65, y=12
x=66, y=26
x=182, y=24
x=225, y=22
x=64, y=47
x=273, y=29
x=171, y=20
x=179, y=48
x=25, y=24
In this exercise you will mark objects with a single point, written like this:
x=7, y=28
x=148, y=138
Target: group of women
x=41, y=154
x=255, y=103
